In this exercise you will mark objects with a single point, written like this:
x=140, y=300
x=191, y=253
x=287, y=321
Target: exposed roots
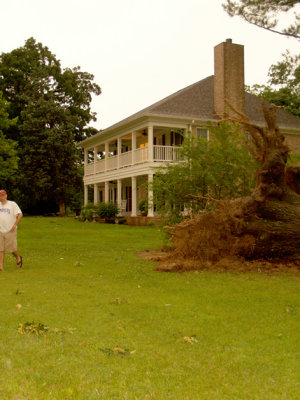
x=265, y=225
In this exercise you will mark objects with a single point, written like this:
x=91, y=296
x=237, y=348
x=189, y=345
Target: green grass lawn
x=120, y=330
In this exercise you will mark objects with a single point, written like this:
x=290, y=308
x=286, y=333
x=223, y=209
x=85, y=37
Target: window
x=204, y=133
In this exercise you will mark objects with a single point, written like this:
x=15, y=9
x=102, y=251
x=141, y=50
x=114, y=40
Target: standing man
x=10, y=216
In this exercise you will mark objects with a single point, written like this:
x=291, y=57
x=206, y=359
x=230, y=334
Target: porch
x=126, y=193
x=132, y=157
x=146, y=145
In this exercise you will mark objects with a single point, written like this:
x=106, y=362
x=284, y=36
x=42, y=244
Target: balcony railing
x=99, y=166
x=140, y=155
x=112, y=162
x=125, y=159
x=89, y=169
x=165, y=153
x=137, y=156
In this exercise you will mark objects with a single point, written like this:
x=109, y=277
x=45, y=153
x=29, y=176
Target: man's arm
x=14, y=227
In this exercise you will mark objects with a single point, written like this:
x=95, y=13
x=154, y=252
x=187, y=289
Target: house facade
x=121, y=159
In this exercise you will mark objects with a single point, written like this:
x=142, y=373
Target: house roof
x=197, y=101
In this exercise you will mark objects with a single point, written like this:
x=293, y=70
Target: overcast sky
x=139, y=51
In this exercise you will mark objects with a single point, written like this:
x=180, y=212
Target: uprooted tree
x=263, y=225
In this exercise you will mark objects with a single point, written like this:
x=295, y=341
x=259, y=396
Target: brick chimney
x=229, y=78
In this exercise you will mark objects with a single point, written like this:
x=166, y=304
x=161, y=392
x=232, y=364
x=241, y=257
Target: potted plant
x=143, y=207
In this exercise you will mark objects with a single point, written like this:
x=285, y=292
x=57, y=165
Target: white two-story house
x=119, y=160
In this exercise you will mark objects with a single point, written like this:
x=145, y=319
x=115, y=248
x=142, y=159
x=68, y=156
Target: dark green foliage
x=53, y=110
x=220, y=168
x=87, y=212
x=102, y=210
x=8, y=147
x=283, y=87
x=143, y=206
x=107, y=210
x=121, y=221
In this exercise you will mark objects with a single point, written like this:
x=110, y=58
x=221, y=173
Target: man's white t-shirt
x=8, y=215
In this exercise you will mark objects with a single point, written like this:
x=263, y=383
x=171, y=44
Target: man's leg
x=18, y=257
x=1, y=260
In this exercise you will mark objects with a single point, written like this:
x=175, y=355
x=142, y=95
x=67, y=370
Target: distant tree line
x=44, y=111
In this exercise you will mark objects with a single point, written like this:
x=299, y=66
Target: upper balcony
x=130, y=158
x=149, y=145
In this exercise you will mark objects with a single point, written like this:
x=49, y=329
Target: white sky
x=139, y=51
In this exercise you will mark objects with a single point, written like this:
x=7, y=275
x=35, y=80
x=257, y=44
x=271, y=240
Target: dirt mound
x=165, y=263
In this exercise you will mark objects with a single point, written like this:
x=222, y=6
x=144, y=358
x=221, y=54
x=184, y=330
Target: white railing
x=125, y=159
x=137, y=156
x=89, y=168
x=99, y=166
x=165, y=153
x=140, y=155
x=112, y=162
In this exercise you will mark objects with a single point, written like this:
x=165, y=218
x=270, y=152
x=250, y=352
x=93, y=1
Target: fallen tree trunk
x=264, y=225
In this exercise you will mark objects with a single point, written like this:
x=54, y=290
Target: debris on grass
x=118, y=351
x=190, y=339
x=78, y=264
x=64, y=330
x=32, y=328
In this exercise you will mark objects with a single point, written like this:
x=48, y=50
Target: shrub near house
x=87, y=212
x=107, y=210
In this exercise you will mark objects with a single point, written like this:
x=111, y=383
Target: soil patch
x=232, y=264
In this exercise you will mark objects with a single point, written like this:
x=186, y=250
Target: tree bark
x=62, y=209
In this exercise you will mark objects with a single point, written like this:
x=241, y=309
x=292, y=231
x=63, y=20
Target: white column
x=150, y=196
x=119, y=195
x=119, y=150
x=85, y=160
x=150, y=143
x=96, y=195
x=86, y=197
x=95, y=152
x=106, y=155
x=134, y=197
x=133, y=145
x=106, y=192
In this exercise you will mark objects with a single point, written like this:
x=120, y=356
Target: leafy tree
x=53, y=109
x=221, y=168
x=264, y=14
x=8, y=151
x=283, y=87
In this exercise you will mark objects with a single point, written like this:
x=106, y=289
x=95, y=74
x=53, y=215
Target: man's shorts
x=8, y=242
